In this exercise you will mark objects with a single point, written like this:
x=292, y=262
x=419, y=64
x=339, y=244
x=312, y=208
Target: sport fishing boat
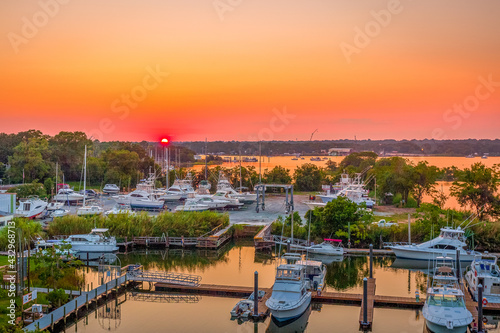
x=447, y=243
x=332, y=247
x=140, y=199
x=484, y=269
x=224, y=186
x=444, y=309
x=289, y=298
x=191, y=205
x=31, y=207
x=96, y=243
x=315, y=273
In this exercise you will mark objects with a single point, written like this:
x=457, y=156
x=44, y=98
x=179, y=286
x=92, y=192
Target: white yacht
x=223, y=185
x=332, y=247
x=191, y=206
x=68, y=195
x=31, y=207
x=211, y=202
x=447, y=243
x=444, y=309
x=351, y=188
x=140, y=199
x=484, y=269
x=95, y=244
x=289, y=298
x=111, y=189
x=232, y=202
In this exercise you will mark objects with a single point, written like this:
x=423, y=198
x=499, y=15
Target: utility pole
x=260, y=164
x=206, y=164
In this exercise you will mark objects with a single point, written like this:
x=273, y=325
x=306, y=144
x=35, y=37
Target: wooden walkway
x=370, y=302
x=72, y=306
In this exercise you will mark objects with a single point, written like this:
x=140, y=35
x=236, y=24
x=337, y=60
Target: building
x=340, y=151
x=7, y=208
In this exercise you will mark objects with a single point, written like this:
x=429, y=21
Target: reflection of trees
x=347, y=273
x=188, y=259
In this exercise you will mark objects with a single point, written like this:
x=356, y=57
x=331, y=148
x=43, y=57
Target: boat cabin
x=289, y=272
x=454, y=234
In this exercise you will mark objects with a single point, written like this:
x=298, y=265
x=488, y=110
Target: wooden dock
x=370, y=304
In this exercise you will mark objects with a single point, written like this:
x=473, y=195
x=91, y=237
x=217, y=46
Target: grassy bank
x=188, y=224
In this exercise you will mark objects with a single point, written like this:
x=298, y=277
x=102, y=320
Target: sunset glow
x=131, y=70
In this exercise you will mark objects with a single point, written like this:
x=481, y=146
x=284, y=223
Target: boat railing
x=389, y=244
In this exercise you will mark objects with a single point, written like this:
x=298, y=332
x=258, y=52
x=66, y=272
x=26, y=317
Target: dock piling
x=288, y=246
x=256, y=294
x=371, y=261
x=480, y=308
x=365, y=301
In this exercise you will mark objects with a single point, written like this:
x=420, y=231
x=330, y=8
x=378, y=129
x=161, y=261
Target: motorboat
x=54, y=205
x=141, y=200
x=297, y=325
x=244, y=308
x=314, y=204
x=224, y=186
x=384, y=224
x=315, y=159
x=315, y=273
x=484, y=269
x=90, y=210
x=211, y=202
x=444, y=309
x=226, y=196
x=31, y=207
x=289, y=298
x=110, y=189
x=95, y=244
x=60, y=212
x=191, y=206
x=332, y=247
x=42, y=245
x=120, y=209
x=447, y=243
x=68, y=195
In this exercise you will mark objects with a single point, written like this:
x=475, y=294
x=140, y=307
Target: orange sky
x=226, y=76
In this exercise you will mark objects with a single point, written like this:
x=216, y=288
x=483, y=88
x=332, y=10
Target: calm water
x=235, y=265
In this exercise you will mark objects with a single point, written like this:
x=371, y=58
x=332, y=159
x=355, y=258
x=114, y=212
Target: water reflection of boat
x=297, y=325
x=325, y=259
x=417, y=265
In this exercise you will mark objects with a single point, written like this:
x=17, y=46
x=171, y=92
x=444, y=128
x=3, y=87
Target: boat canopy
x=333, y=240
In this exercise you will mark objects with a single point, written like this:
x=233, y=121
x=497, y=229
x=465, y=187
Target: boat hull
x=409, y=253
x=291, y=314
x=435, y=328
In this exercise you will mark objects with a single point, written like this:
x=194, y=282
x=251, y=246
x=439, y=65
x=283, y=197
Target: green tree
x=121, y=167
x=30, y=156
x=308, y=177
x=34, y=188
x=477, y=188
x=68, y=148
x=360, y=160
x=394, y=175
x=424, y=176
x=278, y=175
x=337, y=214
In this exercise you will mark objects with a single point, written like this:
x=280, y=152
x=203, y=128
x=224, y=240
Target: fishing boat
x=31, y=207
x=484, y=269
x=225, y=187
x=211, y=202
x=110, y=189
x=95, y=244
x=120, y=209
x=447, y=243
x=89, y=210
x=332, y=247
x=140, y=200
x=244, y=308
x=444, y=309
x=232, y=202
x=315, y=273
x=289, y=298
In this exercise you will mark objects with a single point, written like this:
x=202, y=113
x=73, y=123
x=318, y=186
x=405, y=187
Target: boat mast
x=84, y=175
x=240, y=173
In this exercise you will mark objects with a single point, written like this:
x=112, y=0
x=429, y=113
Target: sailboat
x=87, y=210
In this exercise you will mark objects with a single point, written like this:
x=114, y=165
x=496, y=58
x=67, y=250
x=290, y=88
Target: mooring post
x=365, y=301
x=480, y=308
x=52, y=321
x=64, y=315
x=87, y=301
x=91, y=285
x=256, y=294
x=459, y=269
x=371, y=261
x=288, y=246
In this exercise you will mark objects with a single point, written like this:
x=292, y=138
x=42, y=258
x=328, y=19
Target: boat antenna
x=467, y=219
x=476, y=216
